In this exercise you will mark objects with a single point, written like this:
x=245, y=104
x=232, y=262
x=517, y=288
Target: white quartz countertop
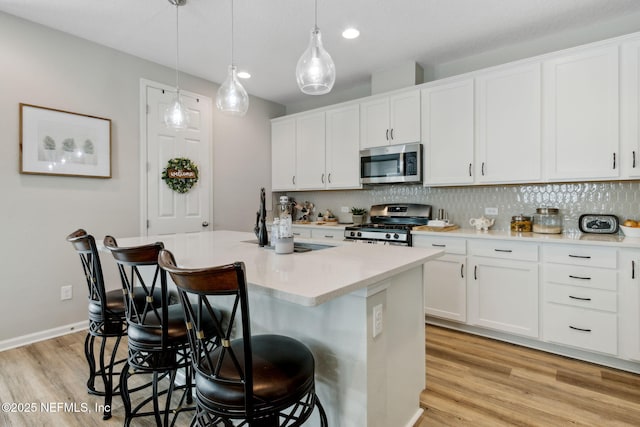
x=307, y=278
x=615, y=240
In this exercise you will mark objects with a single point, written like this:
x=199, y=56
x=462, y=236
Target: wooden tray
x=427, y=228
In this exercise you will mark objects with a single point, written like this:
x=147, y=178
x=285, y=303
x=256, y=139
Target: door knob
x=205, y=223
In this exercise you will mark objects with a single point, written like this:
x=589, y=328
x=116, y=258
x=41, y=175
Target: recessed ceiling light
x=350, y=33
x=243, y=75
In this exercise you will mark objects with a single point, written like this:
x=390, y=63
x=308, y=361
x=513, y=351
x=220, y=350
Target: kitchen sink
x=299, y=246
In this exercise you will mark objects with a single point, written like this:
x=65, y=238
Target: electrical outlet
x=345, y=209
x=377, y=320
x=491, y=211
x=66, y=292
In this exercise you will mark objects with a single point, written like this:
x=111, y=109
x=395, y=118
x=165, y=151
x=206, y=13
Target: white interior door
x=167, y=211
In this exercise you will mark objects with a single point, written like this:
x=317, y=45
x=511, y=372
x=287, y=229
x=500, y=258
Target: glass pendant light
x=315, y=72
x=232, y=98
x=176, y=115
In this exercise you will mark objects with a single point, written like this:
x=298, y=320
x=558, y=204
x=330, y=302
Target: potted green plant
x=358, y=215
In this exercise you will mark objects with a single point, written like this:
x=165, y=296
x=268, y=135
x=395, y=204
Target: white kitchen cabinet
x=630, y=109
x=508, y=126
x=629, y=314
x=448, y=133
x=445, y=283
x=580, y=307
x=581, y=115
x=343, y=147
x=283, y=154
x=310, y=151
x=390, y=120
x=327, y=233
x=302, y=232
x=503, y=286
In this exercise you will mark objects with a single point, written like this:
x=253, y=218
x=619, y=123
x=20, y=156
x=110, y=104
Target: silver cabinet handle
x=329, y=236
x=322, y=178
x=633, y=156
x=329, y=177
x=475, y=272
x=391, y=133
x=579, y=277
x=482, y=169
x=580, y=256
x=469, y=169
x=614, y=160
x=438, y=245
x=462, y=271
x=293, y=180
x=387, y=134
x=580, y=298
x=575, y=328
x=504, y=250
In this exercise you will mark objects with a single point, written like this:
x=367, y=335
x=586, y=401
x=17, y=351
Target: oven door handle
x=402, y=160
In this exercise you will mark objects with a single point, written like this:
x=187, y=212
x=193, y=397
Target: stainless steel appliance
x=390, y=224
x=391, y=164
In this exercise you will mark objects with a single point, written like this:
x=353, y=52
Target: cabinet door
x=310, y=150
x=283, y=155
x=404, y=118
x=374, y=123
x=580, y=97
x=630, y=109
x=508, y=112
x=447, y=133
x=343, y=147
x=629, y=313
x=445, y=288
x=503, y=295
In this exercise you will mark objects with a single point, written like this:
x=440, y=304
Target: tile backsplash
x=462, y=203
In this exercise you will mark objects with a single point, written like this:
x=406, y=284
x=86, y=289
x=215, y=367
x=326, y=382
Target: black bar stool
x=107, y=319
x=157, y=336
x=260, y=380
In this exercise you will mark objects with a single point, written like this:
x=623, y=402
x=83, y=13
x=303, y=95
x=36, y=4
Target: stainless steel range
x=390, y=224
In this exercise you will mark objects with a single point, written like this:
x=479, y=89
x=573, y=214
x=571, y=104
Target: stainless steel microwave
x=391, y=164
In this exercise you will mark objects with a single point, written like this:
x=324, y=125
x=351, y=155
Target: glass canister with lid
x=547, y=221
x=521, y=223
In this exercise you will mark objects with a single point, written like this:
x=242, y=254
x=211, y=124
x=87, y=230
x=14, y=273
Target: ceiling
x=270, y=35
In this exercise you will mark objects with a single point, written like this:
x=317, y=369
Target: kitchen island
x=326, y=299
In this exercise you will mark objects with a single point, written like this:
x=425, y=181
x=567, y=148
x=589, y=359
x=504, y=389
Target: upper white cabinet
x=447, y=133
x=283, y=154
x=317, y=150
x=310, y=149
x=389, y=120
x=343, y=147
x=581, y=119
x=630, y=109
x=508, y=125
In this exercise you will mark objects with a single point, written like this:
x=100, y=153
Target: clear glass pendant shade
x=315, y=72
x=176, y=115
x=232, y=98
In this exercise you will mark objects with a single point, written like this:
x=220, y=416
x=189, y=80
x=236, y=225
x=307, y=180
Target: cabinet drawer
x=301, y=232
x=581, y=297
x=580, y=255
x=335, y=234
x=504, y=249
x=580, y=327
x=576, y=275
x=448, y=244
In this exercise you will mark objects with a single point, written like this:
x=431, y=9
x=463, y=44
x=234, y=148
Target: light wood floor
x=474, y=381
x=471, y=381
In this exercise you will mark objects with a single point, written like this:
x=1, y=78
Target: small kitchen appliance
x=391, y=164
x=599, y=224
x=390, y=224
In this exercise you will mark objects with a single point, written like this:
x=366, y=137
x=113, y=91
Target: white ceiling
x=270, y=35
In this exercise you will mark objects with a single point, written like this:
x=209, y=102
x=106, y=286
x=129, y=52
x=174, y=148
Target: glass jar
x=547, y=221
x=521, y=223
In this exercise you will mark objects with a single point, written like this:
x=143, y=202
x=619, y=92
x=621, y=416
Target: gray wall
x=51, y=69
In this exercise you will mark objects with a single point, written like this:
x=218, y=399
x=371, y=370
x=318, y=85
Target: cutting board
x=427, y=228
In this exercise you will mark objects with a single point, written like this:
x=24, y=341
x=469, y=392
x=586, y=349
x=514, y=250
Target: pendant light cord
x=232, y=33
x=177, y=48
x=316, y=16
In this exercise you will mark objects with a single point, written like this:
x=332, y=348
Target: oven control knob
x=387, y=236
x=359, y=234
x=353, y=233
x=396, y=236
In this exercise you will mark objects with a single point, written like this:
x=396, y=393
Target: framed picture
x=55, y=142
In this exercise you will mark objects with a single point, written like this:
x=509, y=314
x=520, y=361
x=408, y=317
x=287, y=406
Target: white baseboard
x=42, y=335
x=412, y=422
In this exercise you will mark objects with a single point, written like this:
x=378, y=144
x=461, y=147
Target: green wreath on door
x=180, y=174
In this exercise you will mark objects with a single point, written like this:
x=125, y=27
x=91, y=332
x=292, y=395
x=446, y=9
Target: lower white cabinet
x=629, y=315
x=580, y=290
x=327, y=233
x=445, y=282
x=503, y=291
x=301, y=232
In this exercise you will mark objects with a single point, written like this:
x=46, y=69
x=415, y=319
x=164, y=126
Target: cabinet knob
x=205, y=223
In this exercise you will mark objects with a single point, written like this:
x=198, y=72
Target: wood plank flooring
x=475, y=381
x=471, y=381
